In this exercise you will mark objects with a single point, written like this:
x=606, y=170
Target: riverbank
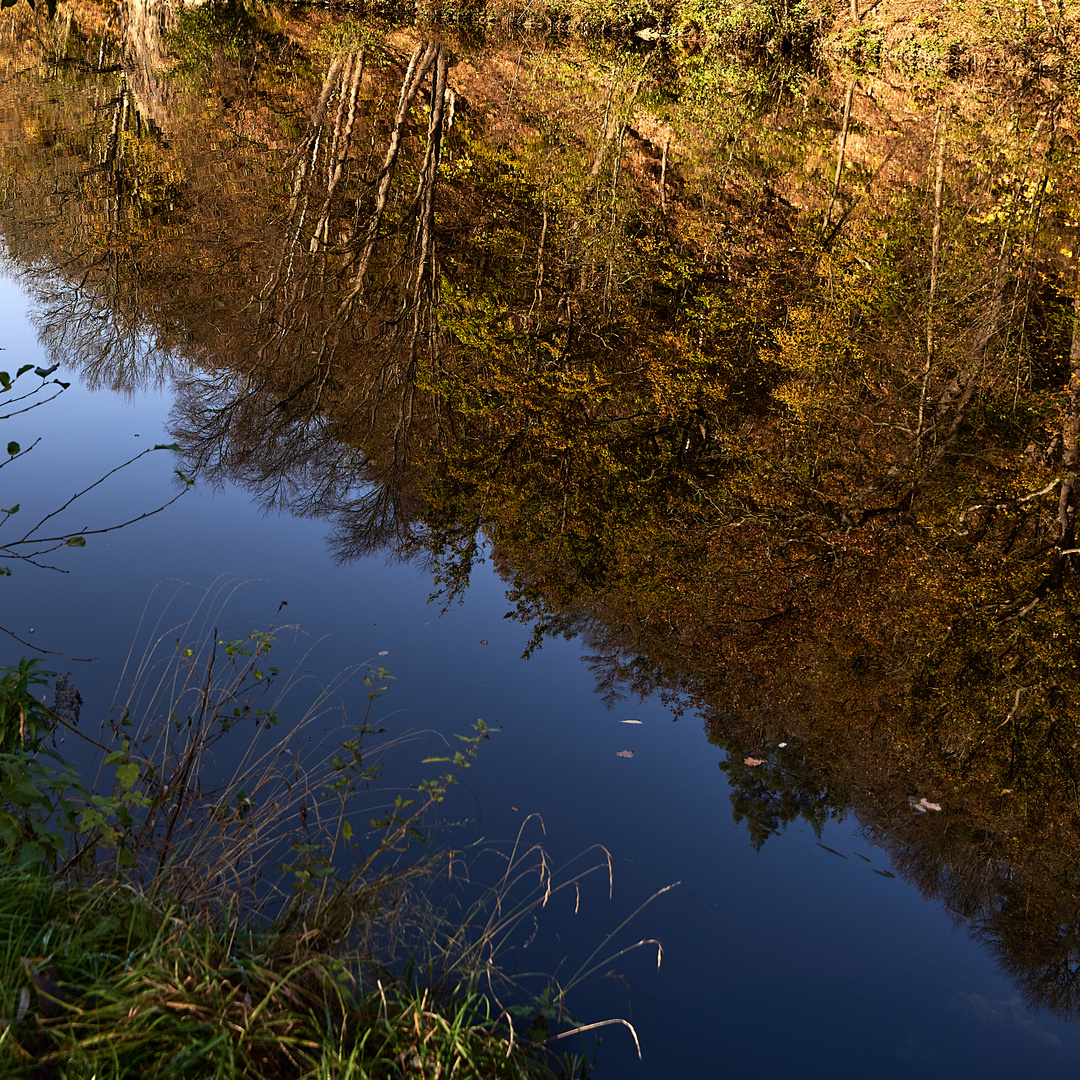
x=1031, y=39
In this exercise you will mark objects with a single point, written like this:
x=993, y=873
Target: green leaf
x=76, y=541
x=32, y=854
x=126, y=775
x=12, y=510
x=9, y=828
x=346, y=830
x=45, y=372
x=168, y=446
x=12, y=448
x=23, y=791
x=5, y=378
x=26, y=367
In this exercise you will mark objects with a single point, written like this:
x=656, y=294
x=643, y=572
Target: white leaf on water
x=631, y=721
x=921, y=806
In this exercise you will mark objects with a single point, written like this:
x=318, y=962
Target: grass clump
x=100, y=981
x=210, y=906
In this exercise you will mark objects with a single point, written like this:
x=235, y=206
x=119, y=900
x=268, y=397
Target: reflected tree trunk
x=827, y=221
x=143, y=27
x=422, y=59
x=351, y=77
x=940, y=127
x=1070, y=437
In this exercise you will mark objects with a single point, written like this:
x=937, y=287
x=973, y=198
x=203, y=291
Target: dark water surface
x=617, y=393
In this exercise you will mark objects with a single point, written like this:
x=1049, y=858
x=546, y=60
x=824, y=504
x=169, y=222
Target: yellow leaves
x=798, y=346
x=817, y=348
x=1015, y=199
x=800, y=398
x=994, y=214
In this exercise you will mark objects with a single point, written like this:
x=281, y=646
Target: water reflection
x=752, y=380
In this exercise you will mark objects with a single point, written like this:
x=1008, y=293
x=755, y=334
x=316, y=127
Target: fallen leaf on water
x=631, y=721
x=753, y=761
x=624, y=753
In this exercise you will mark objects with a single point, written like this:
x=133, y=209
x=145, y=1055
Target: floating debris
x=631, y=721
x=753, y=762
x=624, y=753
x=921, y=806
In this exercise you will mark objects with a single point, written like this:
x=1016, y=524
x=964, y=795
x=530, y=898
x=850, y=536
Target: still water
x=610, y=377
x=791, y=960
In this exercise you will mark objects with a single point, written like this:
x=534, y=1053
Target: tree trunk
x=839, y=160
x=1070, y=437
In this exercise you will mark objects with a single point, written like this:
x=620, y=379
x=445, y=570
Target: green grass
x=113, y=986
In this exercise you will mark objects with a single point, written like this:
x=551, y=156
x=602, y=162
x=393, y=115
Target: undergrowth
x=209, y=904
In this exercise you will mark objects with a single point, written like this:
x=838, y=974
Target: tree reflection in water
x=818, y=484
